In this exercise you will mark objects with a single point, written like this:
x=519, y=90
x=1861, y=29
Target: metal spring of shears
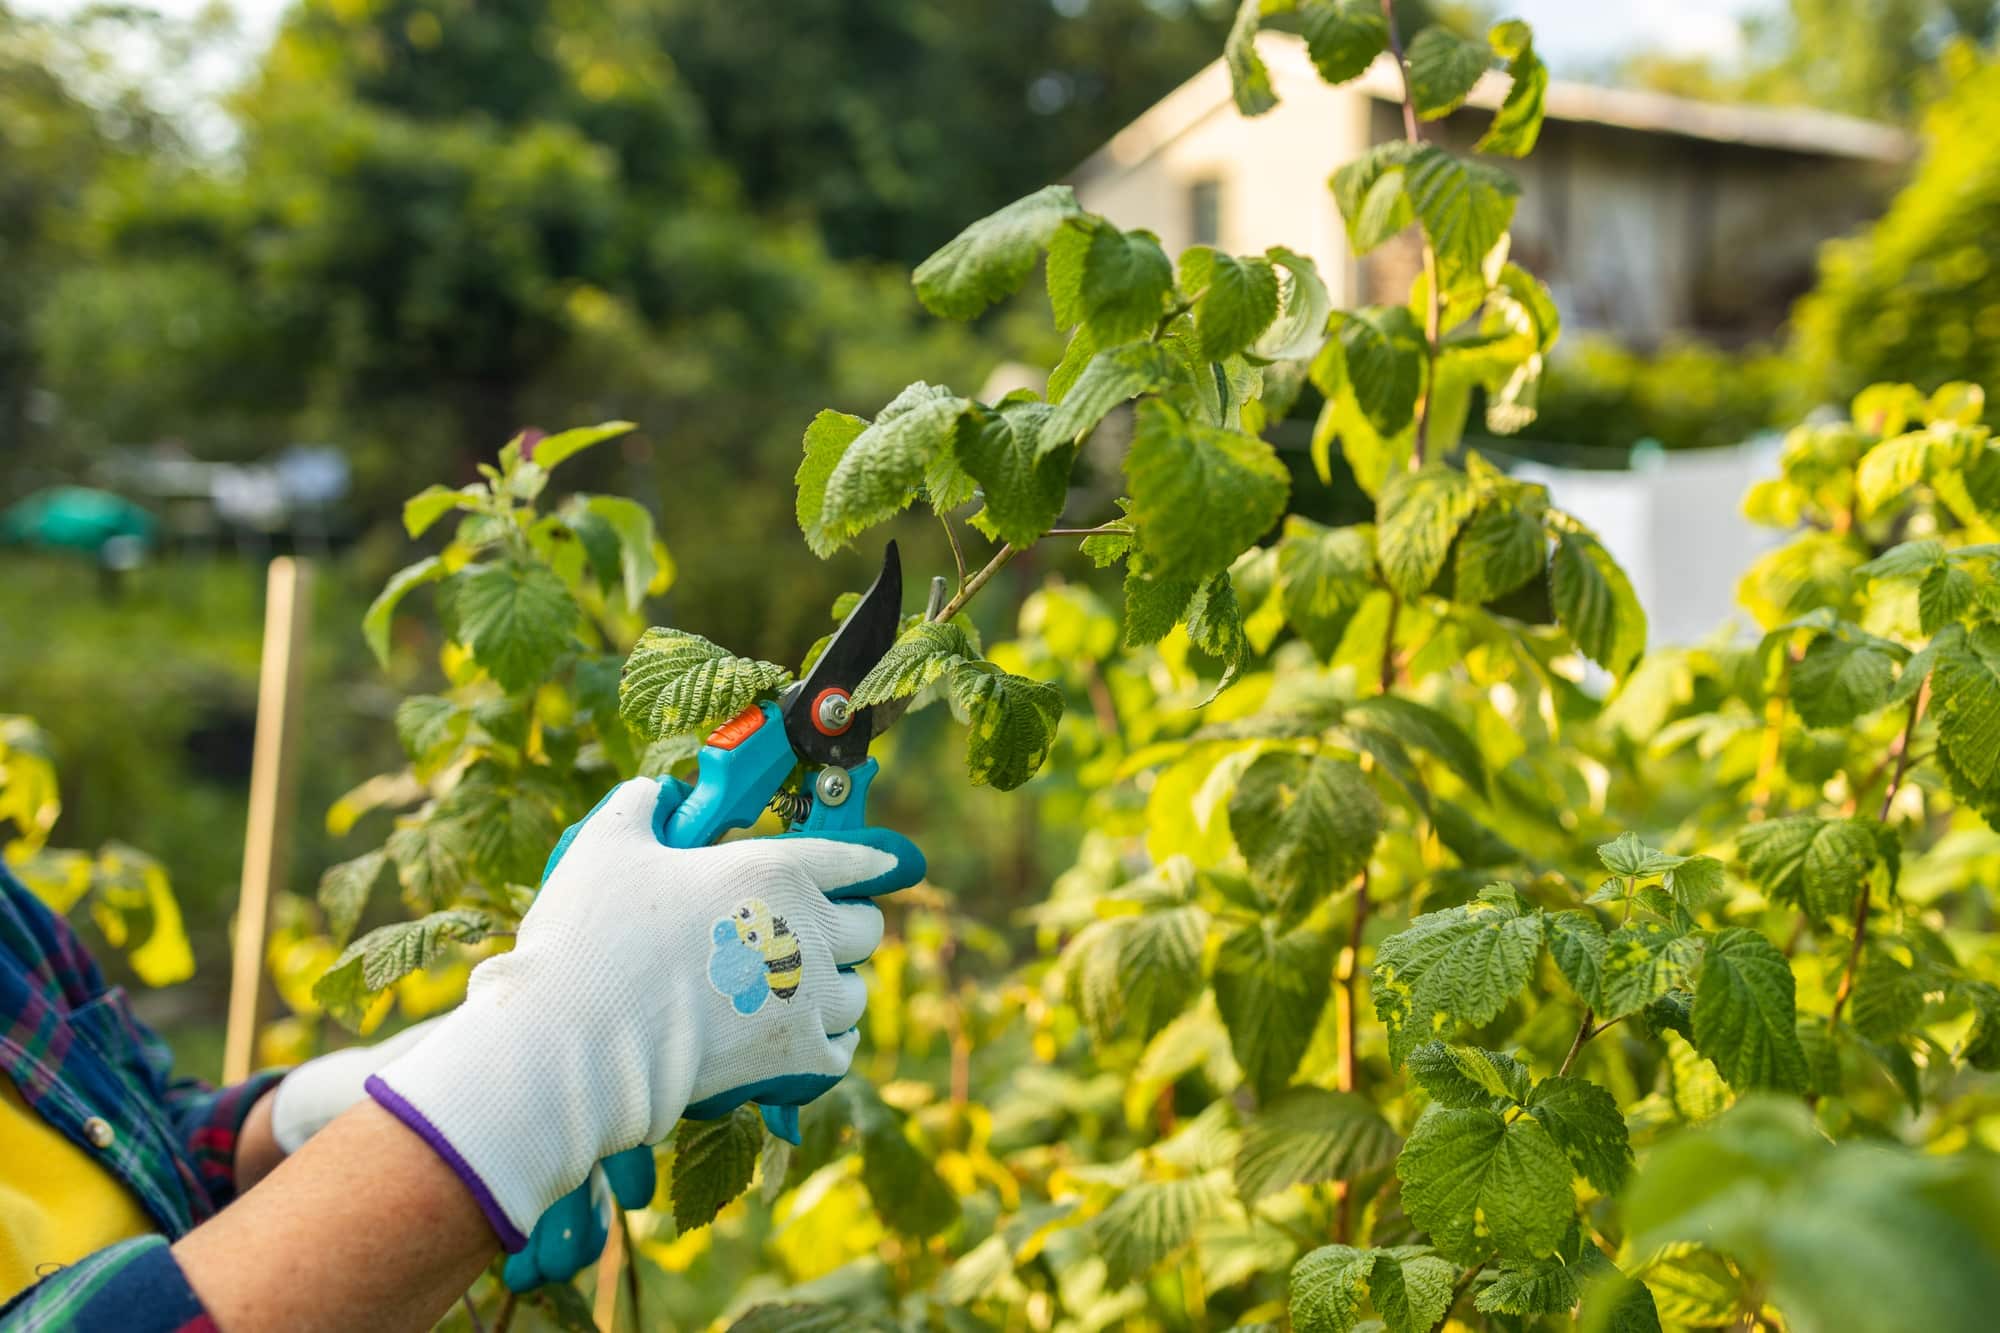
x=791, y=806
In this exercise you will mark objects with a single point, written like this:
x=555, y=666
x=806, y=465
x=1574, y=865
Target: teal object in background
x=75, y=518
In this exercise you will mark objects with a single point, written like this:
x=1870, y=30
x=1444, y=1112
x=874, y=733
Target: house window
x=1205, y=212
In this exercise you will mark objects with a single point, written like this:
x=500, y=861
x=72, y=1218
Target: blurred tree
x=1863, y=57
x=1917, y=296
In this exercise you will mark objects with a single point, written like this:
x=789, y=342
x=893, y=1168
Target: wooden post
x=273, y=769
x=609, y=1265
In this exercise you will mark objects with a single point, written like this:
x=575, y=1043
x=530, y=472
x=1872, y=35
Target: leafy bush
x=1917, y=297
x=1397, y=971
x=1687, y=395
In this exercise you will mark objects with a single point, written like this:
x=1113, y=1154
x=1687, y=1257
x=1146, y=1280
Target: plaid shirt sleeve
x=76, y=1053
x=131, y=1287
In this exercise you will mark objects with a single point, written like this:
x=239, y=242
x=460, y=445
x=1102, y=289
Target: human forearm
x=387, y=1232
x=257, y=1150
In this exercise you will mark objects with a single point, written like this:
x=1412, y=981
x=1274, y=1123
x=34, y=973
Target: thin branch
x=978, y=581
x=1584, y=1032
x=506, y=1318
x=472, y=1314
x=1098, y=531
x=1434, y=312
x=957, y=556
x=1458, y=1291
x=631, y=1270
x=1901, y=749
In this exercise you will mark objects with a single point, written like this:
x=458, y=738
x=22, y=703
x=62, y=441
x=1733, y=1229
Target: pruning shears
x=745, y=761
x=743, y=768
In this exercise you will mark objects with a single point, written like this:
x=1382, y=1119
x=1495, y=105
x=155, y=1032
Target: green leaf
x=563, y=1306
x=1478, y=1184
x=1303, y=306
x=1965, y=688
x=1945, y=594
x=1308, y=1136
x=516, y=617
x=1888, y=472
x=1324, y=575
x=1138, y=971
x=1305, y=823
x=713, y=1163
x=1200, y=495
x=432, y=503
x=882, y=467
x=1906, y=560
x=675, y=681
x=1024, y=488
x=1888, y=997
x=1642, y=961
x=826, y=442
x=1114, y=282
x=1421, y=512
x=1013, y=721
x=1544, y=1287
x=1465, y=208
x=1328, y=1287
x=927, y=651
x=633, y=526
x=1595, y=604
x=1370, y=193
x=1382, y=349
x=1271, y=987
x=1502, y=548
x=430, y=729
x=1238, y=299
x=1745, y=1015
x=1215, y=627
x=1628, y=855
x=1150, y=1221
x=1412, y=1289
x=991, y=258
x=1840, y=679
x=1458, y=966
x=1153, y=606
x=382, y=611
x=389, y=953
x=1820, y=864
x=904, y=1185
x=1694, y=881
x=1443, y=68
x=1585, y=1123
x=1461, y=1076
x=1343, y=37
x=551, y=451
x=1249, y=78
x=1111, y=377
x=510, y=821
x=1424, y=728
x=344, y=891
x=1576, y=942
x=1518, y=122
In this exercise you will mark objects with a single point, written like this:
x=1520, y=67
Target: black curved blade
x=859, y=643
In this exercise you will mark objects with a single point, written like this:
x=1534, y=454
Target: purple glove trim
x=387, y=1097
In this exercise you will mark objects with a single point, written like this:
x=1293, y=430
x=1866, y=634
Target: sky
x=1575, y=36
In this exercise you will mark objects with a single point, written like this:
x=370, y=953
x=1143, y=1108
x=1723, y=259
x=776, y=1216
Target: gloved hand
x=312, y=1096
x=645, y=983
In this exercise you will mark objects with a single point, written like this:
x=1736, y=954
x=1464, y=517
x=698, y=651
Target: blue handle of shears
x=737, y=780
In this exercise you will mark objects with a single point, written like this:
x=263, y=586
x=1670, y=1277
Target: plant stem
x=1458, y=1291
x=1901, y=749
x=506, y=1318
x=1433, y=314
x=631, y=1270
x=472, y=1314
x=1584, y=1032
x=1097, y=531
x=1389, y=669
x=957, y=556
x=1350, y=979
x=978, y=581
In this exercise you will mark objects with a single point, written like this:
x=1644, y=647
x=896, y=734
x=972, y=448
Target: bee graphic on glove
x=755, y=956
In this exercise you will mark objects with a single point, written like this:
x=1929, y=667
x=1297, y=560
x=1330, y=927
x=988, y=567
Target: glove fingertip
x=520, y=1273
x=909, y=867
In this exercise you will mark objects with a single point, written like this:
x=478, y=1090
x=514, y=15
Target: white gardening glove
x=312, y=1096
x=645, y=983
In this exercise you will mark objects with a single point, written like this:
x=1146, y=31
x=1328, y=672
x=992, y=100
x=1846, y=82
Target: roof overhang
x=1800, y=130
